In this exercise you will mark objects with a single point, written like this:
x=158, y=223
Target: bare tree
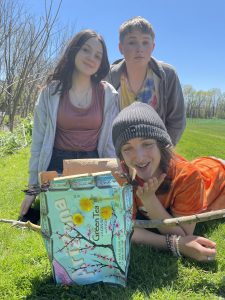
x=204, y=104
x=26, y=55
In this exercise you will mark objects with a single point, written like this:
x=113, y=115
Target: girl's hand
x=197, y=247
x=26, y=204
x=150, y=187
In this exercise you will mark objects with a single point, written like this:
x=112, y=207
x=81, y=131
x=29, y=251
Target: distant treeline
x=204, y=104
x=28, y=49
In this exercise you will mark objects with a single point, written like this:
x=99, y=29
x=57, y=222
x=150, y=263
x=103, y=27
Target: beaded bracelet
x=172, y=242
x=168, y=242
x=177, y=246
x=35, y=190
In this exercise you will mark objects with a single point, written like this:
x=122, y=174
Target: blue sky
x=190, y=34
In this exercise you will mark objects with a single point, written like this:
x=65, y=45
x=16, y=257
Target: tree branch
x=207, y=216
x=20, y=224
x=212, y=215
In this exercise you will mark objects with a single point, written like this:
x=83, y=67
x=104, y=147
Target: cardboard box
x=86, y=220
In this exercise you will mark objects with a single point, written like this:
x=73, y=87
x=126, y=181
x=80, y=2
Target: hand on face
x=150, y=187
x=144, y=156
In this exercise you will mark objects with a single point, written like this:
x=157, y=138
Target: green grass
x=203, y=137
x=24, y=267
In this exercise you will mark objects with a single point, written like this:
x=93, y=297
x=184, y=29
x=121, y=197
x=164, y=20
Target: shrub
x=19, y=138
x=28, y=125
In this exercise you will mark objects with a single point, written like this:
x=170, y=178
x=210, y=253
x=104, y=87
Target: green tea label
x=87, y=229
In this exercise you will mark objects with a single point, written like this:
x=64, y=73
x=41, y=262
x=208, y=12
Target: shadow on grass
x=149, y=270
x=219, y=290
x=207, y=228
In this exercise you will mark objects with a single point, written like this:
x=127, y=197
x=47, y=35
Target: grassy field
x=25, y=271
x=203, y=137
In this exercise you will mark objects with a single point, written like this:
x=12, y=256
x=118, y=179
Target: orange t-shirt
x=197, y=186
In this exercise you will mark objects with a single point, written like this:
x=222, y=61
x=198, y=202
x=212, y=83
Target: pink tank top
x=78, y=128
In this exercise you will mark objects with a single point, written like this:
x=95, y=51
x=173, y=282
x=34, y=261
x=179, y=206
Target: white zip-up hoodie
x=44, y=128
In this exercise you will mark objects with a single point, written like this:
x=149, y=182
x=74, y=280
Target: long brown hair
x=166, y=158
x=64, y=70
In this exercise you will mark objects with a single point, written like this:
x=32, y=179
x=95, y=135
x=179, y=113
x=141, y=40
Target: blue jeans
x=56, y=163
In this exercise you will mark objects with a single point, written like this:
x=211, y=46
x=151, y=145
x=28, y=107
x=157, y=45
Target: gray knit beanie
x=135, y=121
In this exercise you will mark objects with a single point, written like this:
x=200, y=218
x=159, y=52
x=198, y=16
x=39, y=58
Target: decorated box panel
x=86, y=224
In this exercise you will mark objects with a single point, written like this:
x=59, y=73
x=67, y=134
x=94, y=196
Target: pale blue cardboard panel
x=87, y=224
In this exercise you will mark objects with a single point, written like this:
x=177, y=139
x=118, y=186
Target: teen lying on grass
x=167, y=185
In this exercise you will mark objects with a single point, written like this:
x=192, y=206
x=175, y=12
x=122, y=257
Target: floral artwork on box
x=87, y=225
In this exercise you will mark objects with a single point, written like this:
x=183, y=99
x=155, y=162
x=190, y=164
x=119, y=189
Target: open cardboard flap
x=82, y=167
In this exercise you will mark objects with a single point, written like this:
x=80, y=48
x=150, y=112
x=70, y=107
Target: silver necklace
x=140, y=86
x=80, y=100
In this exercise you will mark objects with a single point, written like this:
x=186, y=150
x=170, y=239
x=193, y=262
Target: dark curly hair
x=63, y=72
x=166, y=158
